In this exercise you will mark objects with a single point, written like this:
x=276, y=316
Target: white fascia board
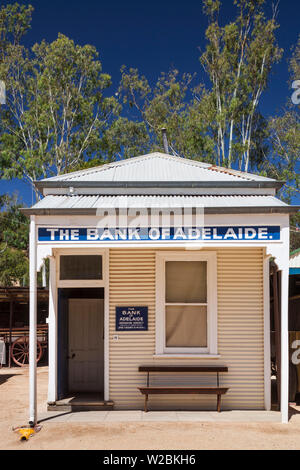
x=162, y=191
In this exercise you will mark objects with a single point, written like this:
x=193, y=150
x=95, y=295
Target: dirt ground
x=130, y=435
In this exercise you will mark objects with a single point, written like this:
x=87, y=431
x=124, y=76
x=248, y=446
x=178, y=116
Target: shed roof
x=21, y=294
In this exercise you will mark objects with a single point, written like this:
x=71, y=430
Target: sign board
x=131, y=318
x=216, y=233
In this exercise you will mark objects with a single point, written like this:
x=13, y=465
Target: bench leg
x=146, y=404
x=219, y=403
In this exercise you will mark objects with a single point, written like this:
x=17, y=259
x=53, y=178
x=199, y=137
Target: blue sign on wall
x=214, y=233
x=131, y=318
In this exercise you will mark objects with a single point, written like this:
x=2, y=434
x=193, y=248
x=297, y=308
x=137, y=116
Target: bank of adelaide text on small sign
x=131, y=318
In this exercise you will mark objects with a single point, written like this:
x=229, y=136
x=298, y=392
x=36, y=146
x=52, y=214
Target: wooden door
x=86, y=345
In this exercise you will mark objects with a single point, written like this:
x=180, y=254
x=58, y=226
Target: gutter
x=40, y=185
x=208, y=210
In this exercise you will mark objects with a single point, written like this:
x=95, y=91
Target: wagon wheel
x=20, y=351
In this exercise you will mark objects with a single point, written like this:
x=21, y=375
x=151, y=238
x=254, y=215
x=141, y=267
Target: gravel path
x=130, y=435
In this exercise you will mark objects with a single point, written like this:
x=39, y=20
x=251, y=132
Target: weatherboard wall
x=240, y=333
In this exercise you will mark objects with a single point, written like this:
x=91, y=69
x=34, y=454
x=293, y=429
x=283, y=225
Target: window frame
x=81, y=282
x=81, y=278
x=210, y=257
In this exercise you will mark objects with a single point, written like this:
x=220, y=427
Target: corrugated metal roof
x=112, y=202
x=157, y=167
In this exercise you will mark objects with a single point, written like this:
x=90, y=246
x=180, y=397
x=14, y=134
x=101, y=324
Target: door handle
x=71, y=357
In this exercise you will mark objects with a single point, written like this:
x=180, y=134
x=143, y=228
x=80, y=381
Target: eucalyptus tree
x=238, y=59
x=57, y=108
x=169, y=104
x=14, y=234
x=284, y=139
x=219, y=122
x=284, y=135
x=15, y=21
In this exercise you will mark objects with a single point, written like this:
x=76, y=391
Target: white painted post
x=267, y=333
x=285, y=333
x=32, y=323
x=52, y=328
x=106, y=324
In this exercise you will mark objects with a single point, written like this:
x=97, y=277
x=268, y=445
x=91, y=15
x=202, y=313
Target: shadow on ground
x=293, y=411
x=5, y=377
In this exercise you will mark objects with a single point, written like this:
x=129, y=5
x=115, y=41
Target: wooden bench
x=166, y=390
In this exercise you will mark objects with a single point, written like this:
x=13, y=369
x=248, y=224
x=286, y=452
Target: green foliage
x=284, y=136
x=14, y=226
x=238, y=60
x=56, y=110
x=14, y=235
x=15, y=21
x=221, y=123
x=284, y=140
x=211, y=7
x=60, y=115
x=170, y=104
x=294, y=65
x=13, y=267
x=125, y=139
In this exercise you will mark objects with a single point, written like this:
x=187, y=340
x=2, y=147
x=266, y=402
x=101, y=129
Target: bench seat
x=182, y=390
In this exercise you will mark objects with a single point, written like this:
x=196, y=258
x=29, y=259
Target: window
x=186, y=303
x=80, y=267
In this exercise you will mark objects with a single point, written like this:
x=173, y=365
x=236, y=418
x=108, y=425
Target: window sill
x=186, y=356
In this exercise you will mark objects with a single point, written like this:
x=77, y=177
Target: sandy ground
x=130, y=435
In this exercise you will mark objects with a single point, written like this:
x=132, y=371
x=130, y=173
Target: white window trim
x=83, y=282
x=212, y=315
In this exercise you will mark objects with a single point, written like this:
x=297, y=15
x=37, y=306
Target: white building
x=188, y=292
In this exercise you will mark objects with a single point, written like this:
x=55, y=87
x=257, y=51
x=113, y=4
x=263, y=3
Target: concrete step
x=82, y=402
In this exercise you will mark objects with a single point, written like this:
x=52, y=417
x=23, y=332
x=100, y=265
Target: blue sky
x=152, y=36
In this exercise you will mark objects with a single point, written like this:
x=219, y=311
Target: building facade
x=160, y=260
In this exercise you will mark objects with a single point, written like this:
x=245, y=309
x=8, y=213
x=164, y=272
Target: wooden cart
x=17, y=340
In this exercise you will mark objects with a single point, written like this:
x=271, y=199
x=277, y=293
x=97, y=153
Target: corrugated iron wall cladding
x=240, y=333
